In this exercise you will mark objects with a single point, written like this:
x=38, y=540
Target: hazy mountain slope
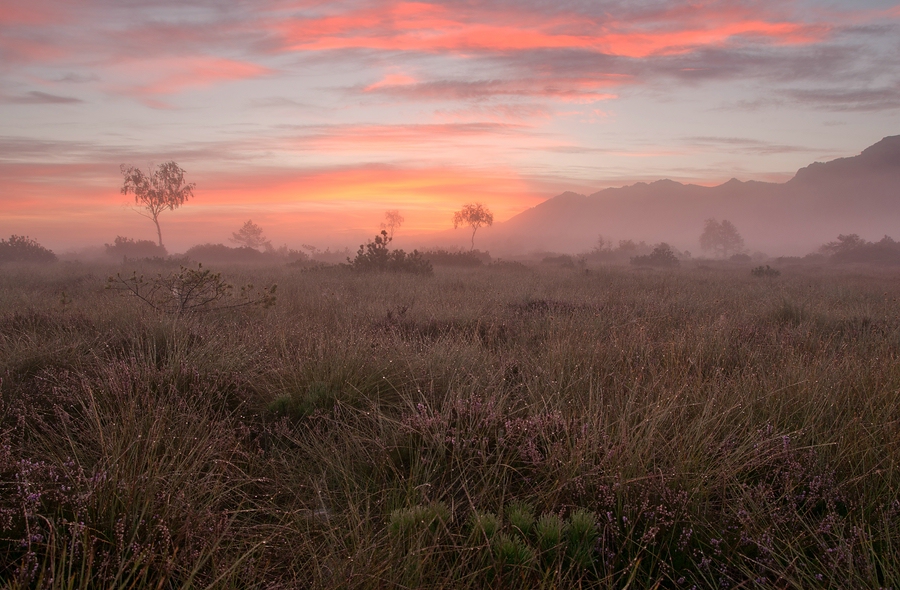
x=859, y=194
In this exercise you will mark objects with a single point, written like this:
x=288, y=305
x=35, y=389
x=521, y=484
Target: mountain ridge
x=855, y=194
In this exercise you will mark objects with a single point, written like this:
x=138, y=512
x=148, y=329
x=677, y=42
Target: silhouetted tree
x=474, y=215
x=843, y=245
x=251, y=236
x=161, y=189
x=722, y=238
x=392, y=220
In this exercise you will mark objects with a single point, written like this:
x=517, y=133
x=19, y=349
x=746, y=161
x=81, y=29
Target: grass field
x=505, y=426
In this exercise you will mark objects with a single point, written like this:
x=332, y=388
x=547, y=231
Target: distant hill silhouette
x=859, y=194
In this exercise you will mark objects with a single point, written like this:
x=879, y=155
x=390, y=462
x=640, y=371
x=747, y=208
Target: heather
x=507, y=425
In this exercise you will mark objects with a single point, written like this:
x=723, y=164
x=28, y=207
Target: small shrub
x=220, y=253
x=765, y=271
x=410, y=522
x=513, y=552
x=467, y=259
x=189, y=291
x=582, y=535
x=563, y=260
x=483, y=526
x=521, y=518
x=662, y=256
x=549, y=531
x=375, y=257
x=130, y=248
x=24, y=249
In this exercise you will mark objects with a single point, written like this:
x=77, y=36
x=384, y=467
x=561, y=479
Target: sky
x=313, y=118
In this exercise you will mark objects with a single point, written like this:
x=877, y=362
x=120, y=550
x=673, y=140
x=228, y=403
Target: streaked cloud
x=394, y=101
x=38, y=97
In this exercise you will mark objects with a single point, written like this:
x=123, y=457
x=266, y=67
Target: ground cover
x=505, y=425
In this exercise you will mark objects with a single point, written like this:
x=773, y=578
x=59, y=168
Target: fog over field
x=450, y=294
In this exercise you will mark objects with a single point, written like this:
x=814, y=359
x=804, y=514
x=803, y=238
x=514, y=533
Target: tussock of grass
x=498, y=425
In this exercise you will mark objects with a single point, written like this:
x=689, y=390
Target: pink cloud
x=170, y=76
x=412, y=26
x=391, y=80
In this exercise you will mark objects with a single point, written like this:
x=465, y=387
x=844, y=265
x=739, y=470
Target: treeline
x=376, y=255
x=853, y=249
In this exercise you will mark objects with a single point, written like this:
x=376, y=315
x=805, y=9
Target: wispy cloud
x=38, y=97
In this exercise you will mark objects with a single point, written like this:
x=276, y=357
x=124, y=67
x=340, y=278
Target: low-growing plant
x=408, y=522
x=581, y=536
x=130, y=248
x=462, y=259
x=512, y=551
x=521, y=518
x=549, y=532
x=190, y=291
x=765, y=271
x=483, y=526
x=376, y=257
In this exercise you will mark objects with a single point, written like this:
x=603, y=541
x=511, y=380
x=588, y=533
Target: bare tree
x=251, y=236
x=392, y=220
x=158, y=190
x=722, y=238
x=474, y=215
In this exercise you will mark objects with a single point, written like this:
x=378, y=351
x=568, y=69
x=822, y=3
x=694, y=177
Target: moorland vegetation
x=506, y=425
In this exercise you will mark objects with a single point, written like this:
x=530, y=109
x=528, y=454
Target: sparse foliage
x=189, y=291
x=474, y=215
x=24, y=249
x=721, y=238
x=392, y=221
x=375, y=256
x=158, y=190
x=251, y=236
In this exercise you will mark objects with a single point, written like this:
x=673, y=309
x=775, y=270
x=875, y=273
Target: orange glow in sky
x=317, y=117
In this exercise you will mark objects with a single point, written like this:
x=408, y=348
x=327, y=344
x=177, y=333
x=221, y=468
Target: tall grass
x=501, y=425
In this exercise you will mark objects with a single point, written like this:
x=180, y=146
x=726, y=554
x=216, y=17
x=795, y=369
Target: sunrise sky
x=313, y=118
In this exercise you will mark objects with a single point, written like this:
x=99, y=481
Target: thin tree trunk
x=158, y=231
x=473, y=238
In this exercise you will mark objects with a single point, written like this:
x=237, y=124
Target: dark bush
x=563, y=260
x=131, y=248
x=662, y=255
x=765, y=271
x=468, y=258
x=24, y=249
x=220, y=253
x=375, y=256
x=740, y=258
